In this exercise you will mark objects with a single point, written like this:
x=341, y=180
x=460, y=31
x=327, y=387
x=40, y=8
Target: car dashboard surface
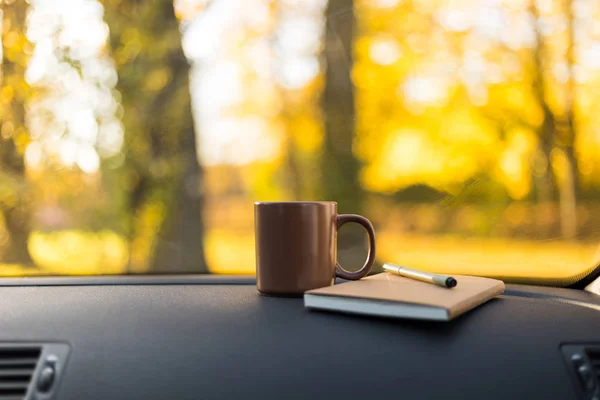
x=185, y=337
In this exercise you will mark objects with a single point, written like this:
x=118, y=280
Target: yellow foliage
x=514, y=166
x=11, y=40
x=229, y=253
x=258, y=179
x=157, y=79
x=8, y=93
x=78, y=252
x=21, y=139
x=558, y=161
x=147, y=224
x=7, y=130
x=454, y=139
x=309, y=136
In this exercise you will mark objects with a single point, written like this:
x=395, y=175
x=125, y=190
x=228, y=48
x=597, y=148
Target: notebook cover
x=470, y=291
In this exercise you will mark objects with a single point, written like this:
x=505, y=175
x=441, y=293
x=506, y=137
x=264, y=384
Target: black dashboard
x=185, y=337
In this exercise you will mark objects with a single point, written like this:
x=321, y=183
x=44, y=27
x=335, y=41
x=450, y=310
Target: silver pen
x=440, y=280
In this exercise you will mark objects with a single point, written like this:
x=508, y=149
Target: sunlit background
x=135, y=136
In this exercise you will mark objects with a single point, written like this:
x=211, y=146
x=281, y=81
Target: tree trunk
x=293, y=172
x=566, y=141
x=160, y=141
x=340, y=167
x=17, y=209
x=568, y=196
x=544, y=182
x=17, y=216
x=180, y=246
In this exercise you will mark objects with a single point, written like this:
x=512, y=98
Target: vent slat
x=593, y=353
x=16, y=379
x=19, y=352
x=16, y=372
x=13, y=385
x=12, y=394
x=18, y=362
x=594, y=357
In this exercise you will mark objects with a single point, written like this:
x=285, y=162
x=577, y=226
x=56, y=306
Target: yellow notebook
x=389, y=295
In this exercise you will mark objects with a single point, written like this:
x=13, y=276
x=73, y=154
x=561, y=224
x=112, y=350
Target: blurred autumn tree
x=15, y=201
x=566, y=136
x=554, y=167
x=163, y=176
x=551, y=112
x=339, y=165
x=541, y=167
x=455, y=93
x=557, y=132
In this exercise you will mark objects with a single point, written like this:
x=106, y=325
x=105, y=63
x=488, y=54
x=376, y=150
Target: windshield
x=136, y=135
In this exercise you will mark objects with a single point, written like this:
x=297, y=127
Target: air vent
x=583, y=360
x=31, y=371
x=17, y=366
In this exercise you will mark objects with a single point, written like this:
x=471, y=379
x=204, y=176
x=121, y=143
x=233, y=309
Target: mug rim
x=273, y=203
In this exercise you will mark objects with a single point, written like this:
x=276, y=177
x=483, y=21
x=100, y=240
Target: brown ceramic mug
x=296, y=246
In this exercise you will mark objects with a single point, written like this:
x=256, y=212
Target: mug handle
x=361, y=273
